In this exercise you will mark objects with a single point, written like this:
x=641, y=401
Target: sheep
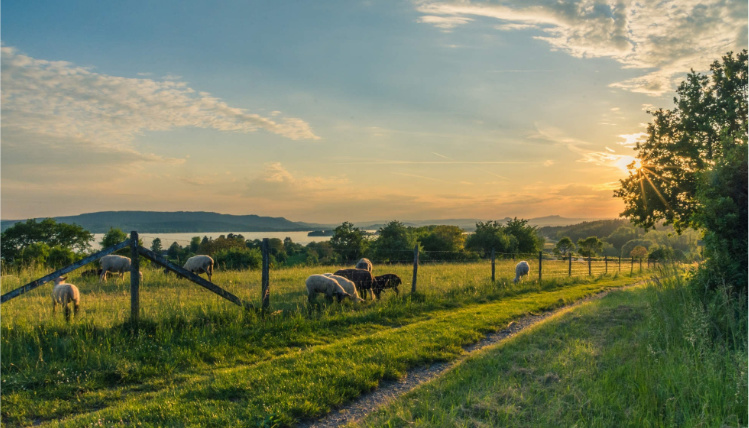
x=361, y=277
x=347, y=285
x=114, y=263
x=382, y=282
x=364, y=264
x=521, y=269
x=325, y=285
x=63, y=293
x=200, y=264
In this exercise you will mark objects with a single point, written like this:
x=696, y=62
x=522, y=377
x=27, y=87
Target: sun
x=624, y=162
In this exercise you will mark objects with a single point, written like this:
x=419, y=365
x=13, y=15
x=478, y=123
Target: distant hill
x=201, y=221
x=179, y=221
x=599, y=228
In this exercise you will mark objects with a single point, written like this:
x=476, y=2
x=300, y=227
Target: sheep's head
x=60, y=279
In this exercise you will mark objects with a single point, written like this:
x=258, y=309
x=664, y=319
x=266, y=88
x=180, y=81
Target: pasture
x=198, y=358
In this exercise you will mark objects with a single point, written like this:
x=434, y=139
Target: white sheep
x=364, y=264
x=325, y=285
x=114, y=263
x=347, y=285
x=521, y=269
x=200, y=264
x=64, y=293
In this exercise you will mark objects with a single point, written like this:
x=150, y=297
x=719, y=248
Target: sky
x=333, y=111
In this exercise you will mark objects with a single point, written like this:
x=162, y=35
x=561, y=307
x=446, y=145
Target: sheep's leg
x=75, y=309
x=103, y=277
x=54, y=305
x=396, y=290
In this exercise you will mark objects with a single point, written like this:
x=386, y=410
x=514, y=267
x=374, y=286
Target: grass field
x=642, y=357
x=199, y=359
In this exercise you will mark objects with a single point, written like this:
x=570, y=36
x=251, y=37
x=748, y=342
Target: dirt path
x=391, y=390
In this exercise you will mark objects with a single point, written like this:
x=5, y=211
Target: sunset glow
x=342, y=111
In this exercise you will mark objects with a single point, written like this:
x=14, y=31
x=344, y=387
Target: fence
x=547, y=268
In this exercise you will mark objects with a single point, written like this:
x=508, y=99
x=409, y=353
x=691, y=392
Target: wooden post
x=569, y=268
x=493, y=269
x=134, y=278
x=631, y=265
x=606, y=261
x=590, y=272
x=540, y=262
x=416, y=268
x=265, y=281
x=620, y=263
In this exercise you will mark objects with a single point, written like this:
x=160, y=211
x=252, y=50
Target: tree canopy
x=23, y=235
x=693, y=167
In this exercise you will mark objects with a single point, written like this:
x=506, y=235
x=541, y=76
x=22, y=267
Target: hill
x=179, y=221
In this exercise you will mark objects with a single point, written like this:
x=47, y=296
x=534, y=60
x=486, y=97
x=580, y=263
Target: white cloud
x=668, y=37
x=61, y=100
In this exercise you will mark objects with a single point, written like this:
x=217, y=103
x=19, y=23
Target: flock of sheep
x=351, y=283
x=344, y=283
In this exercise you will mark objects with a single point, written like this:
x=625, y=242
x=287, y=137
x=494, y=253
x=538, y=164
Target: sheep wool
x=365, y=264
x=347, y=285
x=115, y=264
x=64, y=293
x=200, y=264
x=521, y=269
x=325, y=285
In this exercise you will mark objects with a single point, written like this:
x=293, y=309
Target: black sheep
x=382, y=282
x=362, y=278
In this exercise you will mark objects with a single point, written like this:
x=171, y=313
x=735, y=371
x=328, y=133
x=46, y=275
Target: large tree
x=348, y=241
x=692, y=166
x=23, y=234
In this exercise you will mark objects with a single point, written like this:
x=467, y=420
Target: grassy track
x=605, y=364
x=198, y=359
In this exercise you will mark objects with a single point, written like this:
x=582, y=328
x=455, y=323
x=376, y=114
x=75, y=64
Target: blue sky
x=340, y=111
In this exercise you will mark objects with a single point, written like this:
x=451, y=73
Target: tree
x=622, y=235
x=527, y=240
x=639, y=252
x=489, y=235
x=395, y=243
x=442, y=242
x=112, y=237
x=710, y=118
x=693, y=168
x=589, y=246
x=348, y=241
x=564, y=246
x=156, y=245
x=23, y=234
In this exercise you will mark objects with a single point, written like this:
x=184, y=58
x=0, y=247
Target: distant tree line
x=56, y=244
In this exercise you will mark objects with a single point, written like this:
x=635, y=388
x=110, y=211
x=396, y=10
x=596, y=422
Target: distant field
x=97, y=363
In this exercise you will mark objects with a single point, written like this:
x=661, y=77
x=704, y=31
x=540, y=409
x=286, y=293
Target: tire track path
x=389, y=391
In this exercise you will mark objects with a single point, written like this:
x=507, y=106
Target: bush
x=238, y=258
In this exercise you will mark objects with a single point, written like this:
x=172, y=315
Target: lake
x=183, y=239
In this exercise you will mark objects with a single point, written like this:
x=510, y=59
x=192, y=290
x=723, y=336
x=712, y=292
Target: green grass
x=642, y=357
x=199, y=359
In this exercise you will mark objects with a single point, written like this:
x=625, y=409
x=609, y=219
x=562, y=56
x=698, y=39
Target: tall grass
x=52, y=368
x=661, y=355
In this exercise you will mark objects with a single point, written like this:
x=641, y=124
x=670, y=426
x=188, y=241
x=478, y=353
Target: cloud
x=60, y=99
x=667, y=37
x=277, y=183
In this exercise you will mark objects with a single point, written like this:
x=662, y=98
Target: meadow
x=196, y=358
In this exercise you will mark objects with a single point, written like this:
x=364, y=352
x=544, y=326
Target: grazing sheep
x=114, y=263
x=521, y=269
x=200, y=264
x=364, y=264
x=347, y=285
x=361, y=277
x=63, y=293
x=325, y=285
x=382, y=282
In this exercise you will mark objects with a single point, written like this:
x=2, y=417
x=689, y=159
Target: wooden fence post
x=493, y=269
x=590, y=272
x=631, y=265
x=606, y=262
x=569, y=268
x=416, y=268
x=620, y=263
x=540, y=262
x=265, y=281
x=134, y=278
